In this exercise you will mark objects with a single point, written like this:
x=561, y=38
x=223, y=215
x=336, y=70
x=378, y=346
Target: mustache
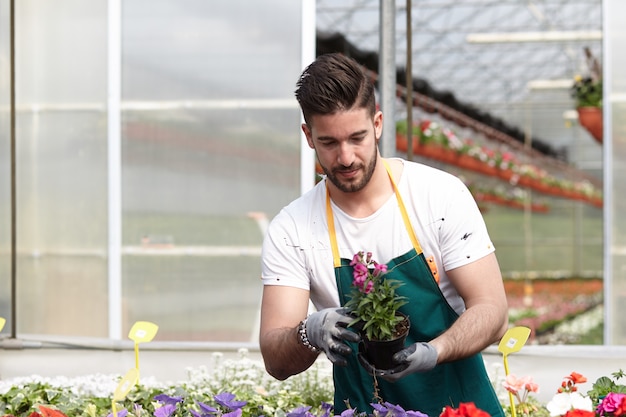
x=344, y=168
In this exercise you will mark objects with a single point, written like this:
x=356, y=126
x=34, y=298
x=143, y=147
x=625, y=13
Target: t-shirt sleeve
x=464, y=238
x=282, y=258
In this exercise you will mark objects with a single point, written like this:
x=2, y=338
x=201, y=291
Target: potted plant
x=587, y=94
x=374, y=303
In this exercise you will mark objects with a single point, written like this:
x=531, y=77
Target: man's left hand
x=419, y=357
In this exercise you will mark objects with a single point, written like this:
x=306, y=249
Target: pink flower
x=356, y=259
x=611, y=403
x=514, y=384
x=360, y=272
x=379, y=269
x=531, y=386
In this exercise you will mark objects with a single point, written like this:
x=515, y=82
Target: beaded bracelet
x=304, y=339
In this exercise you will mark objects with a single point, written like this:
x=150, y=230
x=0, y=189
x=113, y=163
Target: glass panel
x=210, y=152
x=5, y=169
x=61, y=167
x=615, y=96
x=552, y=243
x=196, y=196
x=210, y=148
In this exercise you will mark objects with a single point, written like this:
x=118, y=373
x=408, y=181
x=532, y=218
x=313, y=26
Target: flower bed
x=241, y=388
x=543, y=304
x=244, y=378
x=440, y=143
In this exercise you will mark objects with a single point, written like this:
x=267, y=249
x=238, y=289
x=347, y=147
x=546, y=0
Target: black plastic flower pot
x=379, y=353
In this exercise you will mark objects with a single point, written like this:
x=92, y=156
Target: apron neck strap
x=331, y=230
x=331, y=220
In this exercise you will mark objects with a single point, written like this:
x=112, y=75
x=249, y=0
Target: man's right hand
x=326, y=330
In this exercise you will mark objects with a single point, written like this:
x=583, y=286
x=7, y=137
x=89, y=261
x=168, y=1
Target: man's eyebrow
x=353, y=134
x=359, y=133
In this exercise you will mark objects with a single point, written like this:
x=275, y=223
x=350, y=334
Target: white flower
x=562, y=402
x=559, y=404
x=580, y=402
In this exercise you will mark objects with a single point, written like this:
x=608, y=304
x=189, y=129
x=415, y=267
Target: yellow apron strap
x=405, y=216
x=331, y=220
x=331, y=230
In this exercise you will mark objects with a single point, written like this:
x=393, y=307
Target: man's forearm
x=474, y=330
x=283, y=354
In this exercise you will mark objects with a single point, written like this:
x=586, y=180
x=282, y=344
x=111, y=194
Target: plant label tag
x=511, y=343
x=143, y=331
x=514, y=339
x=126, y=384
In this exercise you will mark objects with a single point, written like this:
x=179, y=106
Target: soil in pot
x=380, y=353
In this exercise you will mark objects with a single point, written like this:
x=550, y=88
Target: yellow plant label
x=143, y=331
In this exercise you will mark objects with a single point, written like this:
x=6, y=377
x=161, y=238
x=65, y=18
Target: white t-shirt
x=443, y=213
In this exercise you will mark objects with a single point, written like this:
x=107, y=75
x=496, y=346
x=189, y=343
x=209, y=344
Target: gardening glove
x=419, y=357
x=326, y=330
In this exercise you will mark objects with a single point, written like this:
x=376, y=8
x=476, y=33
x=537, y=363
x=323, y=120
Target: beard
x=357, y=184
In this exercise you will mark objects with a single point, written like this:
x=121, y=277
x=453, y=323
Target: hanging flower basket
x=591, y=119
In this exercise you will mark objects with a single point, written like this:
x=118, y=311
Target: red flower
x=576, y=378
x=49, y=412
x=449, y=412
x=580, y=413
x=465, y=410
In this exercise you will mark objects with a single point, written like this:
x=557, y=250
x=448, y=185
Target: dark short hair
x=334, y=82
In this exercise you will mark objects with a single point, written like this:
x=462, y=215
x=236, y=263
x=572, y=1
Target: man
x=404, y=213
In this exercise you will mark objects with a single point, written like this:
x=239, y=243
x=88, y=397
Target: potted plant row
x=440, y=143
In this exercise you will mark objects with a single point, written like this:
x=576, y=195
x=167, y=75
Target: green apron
x=450, y=383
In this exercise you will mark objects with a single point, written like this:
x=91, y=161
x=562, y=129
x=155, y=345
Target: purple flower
x=412, y=413
x=300, y=412
x=165, y=410
x=326, y=409
x=207, y=409
x=120, y=413
x=166, y=399
x=350, y=412
x=226, y=399
x=389, y=409
x=235, y=413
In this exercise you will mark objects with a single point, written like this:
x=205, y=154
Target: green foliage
x=374, y=301
x=23, y=400
x=377, y=310
x=531, y=407
x=605, y=384
x=587, y=92
x=244, y=378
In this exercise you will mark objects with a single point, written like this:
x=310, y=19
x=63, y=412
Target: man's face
x=346, y=146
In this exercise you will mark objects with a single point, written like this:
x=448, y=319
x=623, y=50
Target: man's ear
x=378, y=124
x=307, y=132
